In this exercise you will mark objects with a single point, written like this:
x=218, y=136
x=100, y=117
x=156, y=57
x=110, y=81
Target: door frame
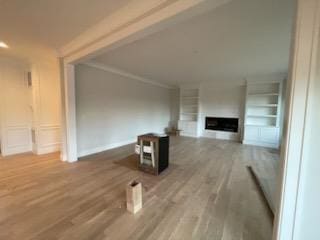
x=137, y=20
x=301, y=70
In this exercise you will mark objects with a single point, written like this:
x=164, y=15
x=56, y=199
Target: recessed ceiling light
x=3, y=45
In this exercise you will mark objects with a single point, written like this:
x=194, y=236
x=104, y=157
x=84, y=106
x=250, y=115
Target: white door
x=16, y=118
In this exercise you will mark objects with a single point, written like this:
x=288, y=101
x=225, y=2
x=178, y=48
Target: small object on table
x=134, y=196
x=154, y=152
x=173, y=131
x=177, y=132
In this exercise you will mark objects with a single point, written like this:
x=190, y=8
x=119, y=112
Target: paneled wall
x=29, y=113
x=46, y=102
x=15, y=108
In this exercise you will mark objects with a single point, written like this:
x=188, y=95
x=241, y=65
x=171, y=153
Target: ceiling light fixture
x=3, y=45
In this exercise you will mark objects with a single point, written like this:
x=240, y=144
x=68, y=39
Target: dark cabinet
x=154, y=153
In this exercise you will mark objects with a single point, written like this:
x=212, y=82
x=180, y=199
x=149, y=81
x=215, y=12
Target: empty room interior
x=159, y=119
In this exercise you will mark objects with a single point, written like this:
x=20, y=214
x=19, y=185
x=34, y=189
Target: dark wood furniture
x=154, y=153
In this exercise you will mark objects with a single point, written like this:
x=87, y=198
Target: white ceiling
x=240, y=39
x=27, y=25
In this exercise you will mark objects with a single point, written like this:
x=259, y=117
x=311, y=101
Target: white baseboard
x=261, y=144
x=188, y=135
x=16, y=150
x=91, y=151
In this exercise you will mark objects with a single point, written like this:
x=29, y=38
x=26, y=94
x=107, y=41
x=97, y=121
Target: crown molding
x=123, y=73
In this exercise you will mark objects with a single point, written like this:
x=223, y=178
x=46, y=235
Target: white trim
x=126, y=74
x=49, y=126
x=133, y=21
x=48, y=148
x=63, y=135
x=91, y=151
x=17, y=150
x=261, y=144
x=70, y=113
x=46, y=128
x=17, y=126
x=302, y=68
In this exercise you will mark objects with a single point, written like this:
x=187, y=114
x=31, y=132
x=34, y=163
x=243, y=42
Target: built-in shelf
x=262, y=116
x=263, y=94
x=189, y=113
x=189, y=106
x=259, y=125
x=187, y=121
x=263, y=105
x=190, y=97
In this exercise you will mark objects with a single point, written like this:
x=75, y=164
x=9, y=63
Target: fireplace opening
x=222, y=124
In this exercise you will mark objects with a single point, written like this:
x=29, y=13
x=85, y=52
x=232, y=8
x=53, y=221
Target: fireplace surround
x=222, y=124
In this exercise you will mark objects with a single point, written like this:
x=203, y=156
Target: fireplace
x=222, y=124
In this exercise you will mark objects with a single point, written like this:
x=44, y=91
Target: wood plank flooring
x=206, y=193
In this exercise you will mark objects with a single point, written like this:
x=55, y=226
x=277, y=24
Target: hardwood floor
x=206, y=193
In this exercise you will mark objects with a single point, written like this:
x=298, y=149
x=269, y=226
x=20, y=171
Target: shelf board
x=261, y=125
x=263, y=94
x=262, y=116
x=190, y=97
x=191, y=105
x=188, y=121
x=189, y=113
x=263, y=105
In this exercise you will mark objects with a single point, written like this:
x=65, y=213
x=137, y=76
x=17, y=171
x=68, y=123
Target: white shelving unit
x=263, y=113
x=189, y=112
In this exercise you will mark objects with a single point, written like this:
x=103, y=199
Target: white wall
x=218, y=100
x=113, y=110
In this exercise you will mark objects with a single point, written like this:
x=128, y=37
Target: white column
x=301, y=74
x=69, y=131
